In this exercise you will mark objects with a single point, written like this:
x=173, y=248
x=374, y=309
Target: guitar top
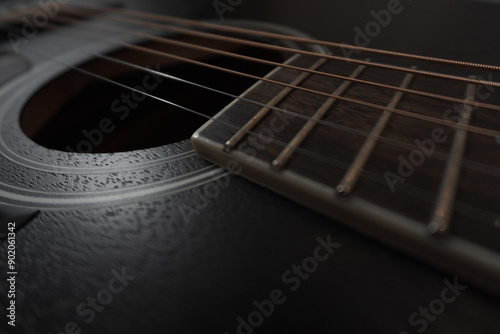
x=349, y=182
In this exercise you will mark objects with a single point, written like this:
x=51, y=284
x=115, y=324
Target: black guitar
x=358, y=190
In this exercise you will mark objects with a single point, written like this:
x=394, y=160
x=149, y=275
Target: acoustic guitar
x=166, y=174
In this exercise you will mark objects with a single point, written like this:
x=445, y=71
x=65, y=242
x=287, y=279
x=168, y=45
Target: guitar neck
x=399, y=153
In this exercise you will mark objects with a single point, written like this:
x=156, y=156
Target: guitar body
x=154, y=238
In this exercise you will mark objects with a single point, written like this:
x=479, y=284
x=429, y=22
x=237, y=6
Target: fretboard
x=408, y=158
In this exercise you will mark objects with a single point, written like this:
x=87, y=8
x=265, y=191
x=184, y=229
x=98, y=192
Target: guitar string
x=333, y=162
x=447, y=123
x=413, y=191
x=467, y=163
x=473, y=165
x=482, y=131
x=276, y=36
x=276, y=64
x=303, y=52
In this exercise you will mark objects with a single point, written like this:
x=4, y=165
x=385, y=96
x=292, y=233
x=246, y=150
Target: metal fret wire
x=440, y=222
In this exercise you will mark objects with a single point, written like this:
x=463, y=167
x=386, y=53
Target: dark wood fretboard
x=408, y=158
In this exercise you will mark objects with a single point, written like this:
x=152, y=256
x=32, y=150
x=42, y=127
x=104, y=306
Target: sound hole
x=78, y=113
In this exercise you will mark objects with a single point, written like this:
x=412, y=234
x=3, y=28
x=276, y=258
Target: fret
x=287, y=153
x=440, y=221
x=347, y=184
x=238, y=136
